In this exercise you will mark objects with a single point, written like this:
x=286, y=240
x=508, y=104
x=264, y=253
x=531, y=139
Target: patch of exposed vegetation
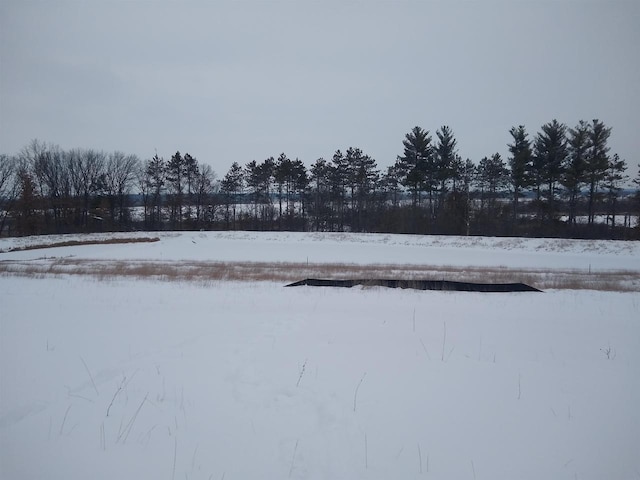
x=75, y=243
x=206, y=272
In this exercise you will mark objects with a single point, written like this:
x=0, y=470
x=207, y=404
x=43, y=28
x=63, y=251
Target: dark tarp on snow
x=419, y=285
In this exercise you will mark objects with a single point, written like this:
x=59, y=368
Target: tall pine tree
x=415, y=165
x=176, y=184
x=231, y=187
x=574, y=170
x=444, y=158
x=550, y=149
x=596, y=163
x=519, y=164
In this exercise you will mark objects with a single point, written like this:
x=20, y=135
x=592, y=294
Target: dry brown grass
x=205, y=272
x=74, y=243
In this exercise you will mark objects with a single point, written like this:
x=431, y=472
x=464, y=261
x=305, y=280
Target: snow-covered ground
x=343, y=248
x=127, y=378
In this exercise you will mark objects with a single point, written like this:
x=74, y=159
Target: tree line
x=560, y=182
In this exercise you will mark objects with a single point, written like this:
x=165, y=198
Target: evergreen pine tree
x=414, y=165
x=494, y=177
x=340, y=182
x=282, y=173
x=574, y=170
x=155, y=170
x=175, y=172
x=231, y=186
x=613, y=181
x=364, y=177
x=390, y=183
x=550, y=149
x=191, y=174
x=596, y=163
x=444, y=158
x=321, y=212
x=520, y=164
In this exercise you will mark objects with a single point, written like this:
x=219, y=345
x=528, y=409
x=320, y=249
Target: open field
x=185, y=358
x=240, y=256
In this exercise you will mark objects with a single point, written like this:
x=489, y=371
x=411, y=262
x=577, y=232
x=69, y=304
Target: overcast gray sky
x=247, y=79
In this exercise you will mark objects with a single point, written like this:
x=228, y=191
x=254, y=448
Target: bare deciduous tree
x=9, y=188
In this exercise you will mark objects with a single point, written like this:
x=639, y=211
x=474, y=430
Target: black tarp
x=419, y=285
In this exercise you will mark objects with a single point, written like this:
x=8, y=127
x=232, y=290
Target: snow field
x=252, y=380
x=343, y=248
